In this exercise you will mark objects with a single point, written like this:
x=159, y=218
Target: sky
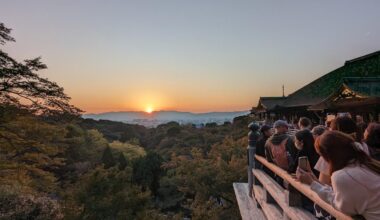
x=197, y=55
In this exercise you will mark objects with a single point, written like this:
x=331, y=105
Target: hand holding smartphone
x=303, y=163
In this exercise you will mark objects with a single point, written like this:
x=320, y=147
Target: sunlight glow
x=149, y=109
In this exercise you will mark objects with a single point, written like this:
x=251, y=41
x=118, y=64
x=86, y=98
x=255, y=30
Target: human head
x=253, y=126
x=280, y=126
x=304, y=139
x=266, y=130
x=318, y=130
x=346, y=125
x=304, y=123
x=359, y=119
x=295, y=123
x=372, y=135
x=339, y=150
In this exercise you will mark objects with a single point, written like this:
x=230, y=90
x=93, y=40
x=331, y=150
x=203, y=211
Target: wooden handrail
x=278, y=195
x=303, y=188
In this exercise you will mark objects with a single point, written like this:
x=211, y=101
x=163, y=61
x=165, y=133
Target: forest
x=56, y=165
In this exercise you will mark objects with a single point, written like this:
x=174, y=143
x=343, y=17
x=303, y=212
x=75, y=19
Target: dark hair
x=373, y=138
x=346, y=125
x=265, y=128
x=340, y=150
x=318, y=130
x=305, y=122
x=306, y=138
x=308, y=149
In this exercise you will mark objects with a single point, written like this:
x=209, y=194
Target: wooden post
x=253, y=136
x=251, y=152
x=293, y=196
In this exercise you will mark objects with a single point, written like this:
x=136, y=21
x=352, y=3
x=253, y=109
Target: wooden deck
x=277, y=201
x=247, y=205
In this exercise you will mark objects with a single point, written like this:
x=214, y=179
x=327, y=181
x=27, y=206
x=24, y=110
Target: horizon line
x=141, y=111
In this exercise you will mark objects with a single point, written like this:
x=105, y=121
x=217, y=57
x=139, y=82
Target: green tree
x=147, y=172
x=107, y=158
x=108, y=194
x=173, y=131
x=123, y=163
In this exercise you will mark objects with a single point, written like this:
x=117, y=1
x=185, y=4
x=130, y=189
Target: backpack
x=280, y=154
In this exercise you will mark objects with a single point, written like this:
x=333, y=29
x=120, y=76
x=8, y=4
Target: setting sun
x=149, y=110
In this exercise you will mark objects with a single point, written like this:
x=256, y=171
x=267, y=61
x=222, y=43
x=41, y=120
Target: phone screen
x=302, y=163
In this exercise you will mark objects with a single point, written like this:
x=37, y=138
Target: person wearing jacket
x=279, y=148
x=266, y=133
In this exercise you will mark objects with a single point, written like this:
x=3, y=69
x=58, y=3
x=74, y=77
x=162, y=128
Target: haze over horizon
x=191, y=56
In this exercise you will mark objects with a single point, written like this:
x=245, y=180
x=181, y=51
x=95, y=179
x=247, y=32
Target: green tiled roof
x=367, y=86
x=363, y=67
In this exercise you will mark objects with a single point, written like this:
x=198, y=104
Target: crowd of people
x=343, y=161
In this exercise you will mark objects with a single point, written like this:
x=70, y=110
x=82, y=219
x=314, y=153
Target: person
x=304, y=143
x=346, y=125
x=329, y=119
x=355, y=176
x=322, y=177
x=266, y=132
x=360, y=123
x=304, y=123
x=295, y=124
x=318, y=131
x=372, y=139
x=279, y=148
x=321, y=166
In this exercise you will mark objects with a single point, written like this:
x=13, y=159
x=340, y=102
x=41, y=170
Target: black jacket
x=260, y=146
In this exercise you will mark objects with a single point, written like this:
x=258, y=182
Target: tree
x=21, y=86
x=108, y=194
x=173, y=131
x=123, y=163
x=147, y=172
x=20, y=204
x=107, y=158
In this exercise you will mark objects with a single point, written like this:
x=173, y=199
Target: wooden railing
x=277, y=202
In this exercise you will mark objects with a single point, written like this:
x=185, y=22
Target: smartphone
x=303, y=163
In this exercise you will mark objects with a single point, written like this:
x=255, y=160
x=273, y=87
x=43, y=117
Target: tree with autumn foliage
x=21, y=86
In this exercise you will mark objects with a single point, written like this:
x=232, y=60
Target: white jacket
x=355, y=191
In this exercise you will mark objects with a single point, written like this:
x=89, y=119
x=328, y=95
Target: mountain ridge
x=160, y=117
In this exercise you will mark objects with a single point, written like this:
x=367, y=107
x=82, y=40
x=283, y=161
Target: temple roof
x=269, y=103
x=353, y=91
x=318, y=90
x=364, y=86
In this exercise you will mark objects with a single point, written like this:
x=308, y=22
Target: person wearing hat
x=279, y=148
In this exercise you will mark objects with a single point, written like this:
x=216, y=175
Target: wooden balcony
x=270, y=200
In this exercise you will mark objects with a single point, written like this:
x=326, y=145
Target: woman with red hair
x=355, y=176
x=346, y=125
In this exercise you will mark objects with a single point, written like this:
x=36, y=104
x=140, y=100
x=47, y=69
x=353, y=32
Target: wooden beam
x=271, y=211
x=247, y=205
x=279, y=194
x=293, y=196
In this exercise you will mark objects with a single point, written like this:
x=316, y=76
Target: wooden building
x=354, y=88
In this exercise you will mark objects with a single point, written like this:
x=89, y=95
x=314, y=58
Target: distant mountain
x=160, y=117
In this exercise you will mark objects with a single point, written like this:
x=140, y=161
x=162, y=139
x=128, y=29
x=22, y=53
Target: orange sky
x=196, y=56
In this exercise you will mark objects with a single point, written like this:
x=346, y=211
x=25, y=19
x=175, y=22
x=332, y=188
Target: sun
x=149, y=109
